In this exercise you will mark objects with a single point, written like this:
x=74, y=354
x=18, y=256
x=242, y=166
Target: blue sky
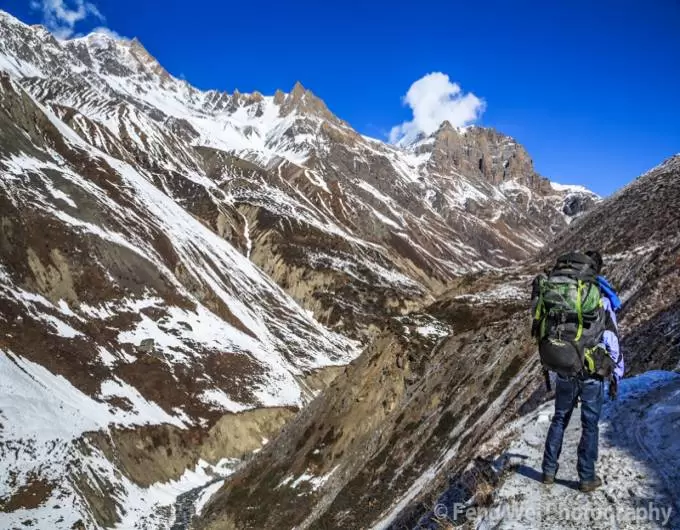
x=591, y=88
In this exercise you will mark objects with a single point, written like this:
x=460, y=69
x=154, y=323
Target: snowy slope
x=42, y=452
x=96, y=259
x=201, y=255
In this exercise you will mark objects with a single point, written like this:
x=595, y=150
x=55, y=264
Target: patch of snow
x=144, y=411
x=61, y=328
x=432, y=330
x=507, y=291
x=35, y=403
x=112, y=308
x=206, y=494
x=65, y=309
x=218, y=397
x=385, y=220
x=570, y=188
x=314, y=482
x=317, y=180
x=106, y=358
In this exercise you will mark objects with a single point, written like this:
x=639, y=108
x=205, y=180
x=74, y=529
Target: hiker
x=575, y=326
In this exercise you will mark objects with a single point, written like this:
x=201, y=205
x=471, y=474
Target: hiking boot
x=549, y=478
x=590, y=485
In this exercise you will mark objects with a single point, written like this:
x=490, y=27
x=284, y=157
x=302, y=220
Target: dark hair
x=596, y=257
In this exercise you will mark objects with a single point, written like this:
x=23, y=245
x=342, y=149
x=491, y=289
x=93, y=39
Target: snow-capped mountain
x=171, y=256
x=298, y=188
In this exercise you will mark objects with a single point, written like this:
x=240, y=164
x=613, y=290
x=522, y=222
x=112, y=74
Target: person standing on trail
x=575, y=327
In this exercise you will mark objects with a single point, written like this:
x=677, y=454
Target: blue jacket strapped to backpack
x=609, y=292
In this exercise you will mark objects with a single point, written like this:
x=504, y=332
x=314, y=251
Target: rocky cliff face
x=172, y=259
x=423, y=410
x=481, y=152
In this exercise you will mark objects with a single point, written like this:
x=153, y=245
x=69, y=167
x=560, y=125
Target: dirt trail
x=639, y=464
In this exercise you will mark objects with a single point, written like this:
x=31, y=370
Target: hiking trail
x=639, y=463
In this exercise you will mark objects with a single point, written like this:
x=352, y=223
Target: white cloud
x=108, y=32
x=61, y=16
x=434, y=98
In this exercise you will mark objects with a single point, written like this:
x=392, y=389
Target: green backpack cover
x=570, y=318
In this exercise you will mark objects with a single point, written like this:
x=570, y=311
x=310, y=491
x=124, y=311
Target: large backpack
x=570, y=320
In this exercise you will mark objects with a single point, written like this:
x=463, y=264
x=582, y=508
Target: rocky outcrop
x=304, y=102
x=578, y=203
x=483, y=153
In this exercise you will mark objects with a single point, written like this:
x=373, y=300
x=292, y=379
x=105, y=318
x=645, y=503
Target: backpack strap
x=537, y=299
x=539, y=306
x=589, y=361
x=579, y=310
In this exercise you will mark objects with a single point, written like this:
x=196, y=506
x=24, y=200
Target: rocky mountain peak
x=298, y=91
x=145, y=59
x=445, y=127
x=244, y=99
x=446, y=137
x=303, y=101
x=118, y=57
x=482, y=152
x=279, y=97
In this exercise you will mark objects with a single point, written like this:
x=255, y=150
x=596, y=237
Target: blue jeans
x=567, y=392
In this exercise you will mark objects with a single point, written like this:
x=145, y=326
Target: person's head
x=597, y=259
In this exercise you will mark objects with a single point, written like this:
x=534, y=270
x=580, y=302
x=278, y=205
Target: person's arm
x=612, y=316
x=611, y=342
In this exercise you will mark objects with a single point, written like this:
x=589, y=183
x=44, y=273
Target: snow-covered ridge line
x=572, y=188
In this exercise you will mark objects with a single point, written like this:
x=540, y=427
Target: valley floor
x=639, y=463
